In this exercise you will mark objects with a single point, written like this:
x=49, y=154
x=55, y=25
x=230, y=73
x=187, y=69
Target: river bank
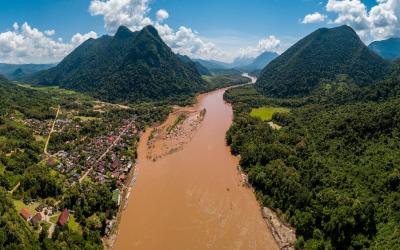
x=194, y=197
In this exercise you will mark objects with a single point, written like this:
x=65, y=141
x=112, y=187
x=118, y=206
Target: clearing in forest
x=266, y=113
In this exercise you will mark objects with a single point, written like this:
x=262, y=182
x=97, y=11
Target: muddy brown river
x=194, y=198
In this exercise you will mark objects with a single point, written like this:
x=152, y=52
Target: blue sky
x=229, y=25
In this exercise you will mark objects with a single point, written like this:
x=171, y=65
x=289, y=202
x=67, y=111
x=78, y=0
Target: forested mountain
x=16, y=71
x=242, y=61
x=388, y=49
x=213, y=64
x=200, y=68
x=320, y=57
x=129, y=66
x=247, y=64
x=333, y=171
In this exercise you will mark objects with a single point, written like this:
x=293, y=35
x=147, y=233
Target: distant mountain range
x=260, y=61
x=213, y=64
x=388, y=49
x=247, y=64
x=127, y=67
x=17, y=71
x=321, y=56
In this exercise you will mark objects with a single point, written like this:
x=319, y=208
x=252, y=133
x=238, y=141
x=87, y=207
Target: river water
x=194, y=198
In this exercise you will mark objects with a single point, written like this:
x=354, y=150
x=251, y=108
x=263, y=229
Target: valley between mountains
x=125, y=144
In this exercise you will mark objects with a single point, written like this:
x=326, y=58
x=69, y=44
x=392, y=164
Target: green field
x=86, y=118
x=19, y=204
x=39, y=138
x=266, y=113
x=54, y=218
x=74, y=225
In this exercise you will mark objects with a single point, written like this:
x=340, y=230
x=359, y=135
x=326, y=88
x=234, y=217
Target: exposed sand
x=192, y=197
x=173, y=134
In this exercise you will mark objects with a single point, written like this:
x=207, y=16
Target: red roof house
x=36, y=219
x=25, y=214
x=51, y=162
x=64, y=216
x=110, y=139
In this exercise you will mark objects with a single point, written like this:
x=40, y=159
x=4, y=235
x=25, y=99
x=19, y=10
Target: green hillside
x=332, y=171
x=388, y=49
x=319, y=57
x=128, y=67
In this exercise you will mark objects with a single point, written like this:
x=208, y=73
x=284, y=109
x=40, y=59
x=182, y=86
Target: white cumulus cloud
x=79, y=38
x=314, y=18
x=162, y=15
x=271, y=44
x=380, y=22
x=131, y=13
x=26, y=44
x=134, y=15
x=50, y=32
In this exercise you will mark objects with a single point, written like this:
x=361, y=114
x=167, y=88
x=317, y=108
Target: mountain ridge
x=129, y=66
x=321, y=56
x=241, y=63
x=388, y=49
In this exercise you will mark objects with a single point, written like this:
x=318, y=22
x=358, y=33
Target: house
x=63, y=218
x=110, y=139
x=114, y=174
x=36, y=219
x=109, y=226
x=25, y=214
x=40, y=208
x=51, y=162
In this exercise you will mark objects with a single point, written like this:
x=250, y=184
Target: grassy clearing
x=39, y=138
x=59, y=93
x=219, y=81
x=266, y=113
x=54, y=218
x=86, y=118
x=47, y=88
x=19, y=204
x=73, y=225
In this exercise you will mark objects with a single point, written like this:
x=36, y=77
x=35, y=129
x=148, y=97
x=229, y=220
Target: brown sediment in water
x=195, y=197
x=174, y=133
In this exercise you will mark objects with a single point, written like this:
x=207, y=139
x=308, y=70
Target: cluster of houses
x=39, y=127
x=115, y=165
x=104, y=155
x=41, y=213
x=63, y=123
x=26, y=214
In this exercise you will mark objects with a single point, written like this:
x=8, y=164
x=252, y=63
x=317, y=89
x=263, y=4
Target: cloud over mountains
x=314, y=18
x=135, y=15
x=379, y=22
x=25, y=44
